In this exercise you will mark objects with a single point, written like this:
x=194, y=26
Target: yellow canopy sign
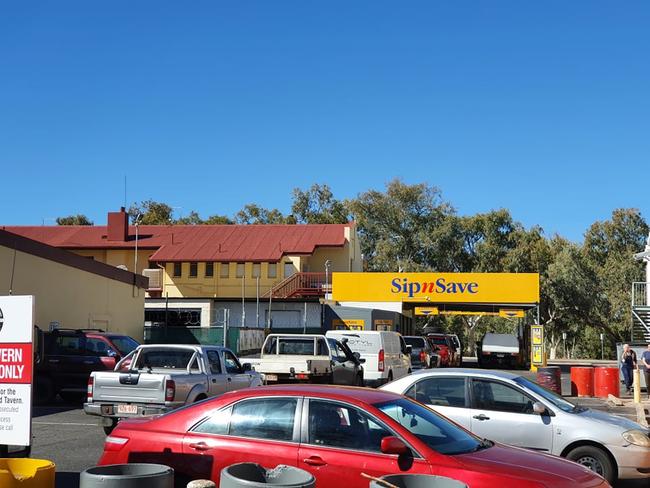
x=498, y=288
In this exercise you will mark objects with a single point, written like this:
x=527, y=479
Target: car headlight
x=637, y=437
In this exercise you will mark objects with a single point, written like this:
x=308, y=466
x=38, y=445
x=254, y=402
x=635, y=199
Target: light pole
x=328, y=265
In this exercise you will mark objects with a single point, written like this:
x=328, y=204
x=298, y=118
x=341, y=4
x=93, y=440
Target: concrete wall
x=72, y=297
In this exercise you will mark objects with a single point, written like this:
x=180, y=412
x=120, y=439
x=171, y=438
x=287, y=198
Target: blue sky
x=539, y=107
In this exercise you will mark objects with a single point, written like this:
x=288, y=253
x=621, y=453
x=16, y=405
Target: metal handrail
x=640, y=293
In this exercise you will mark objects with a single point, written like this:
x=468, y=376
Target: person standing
x=645, y=362
x=628, y=364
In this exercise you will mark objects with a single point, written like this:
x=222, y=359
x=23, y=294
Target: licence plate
x=501, y=355
x=271, y=377
x=133, y=409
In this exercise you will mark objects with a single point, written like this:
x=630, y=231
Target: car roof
x=334, y=392
x=466, y=372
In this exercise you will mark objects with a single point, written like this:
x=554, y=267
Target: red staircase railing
x=301, y=285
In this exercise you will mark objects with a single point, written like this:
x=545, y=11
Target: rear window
x=415, y=341
x=164, y=358
x=439, y=341
x=124, y=344
x=292, y=346
x=361, y=343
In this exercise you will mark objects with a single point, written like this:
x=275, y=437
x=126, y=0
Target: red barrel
x=550, y=377
x=606, y=381
x=582, y=381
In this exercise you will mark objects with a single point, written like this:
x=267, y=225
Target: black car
x=65, y=358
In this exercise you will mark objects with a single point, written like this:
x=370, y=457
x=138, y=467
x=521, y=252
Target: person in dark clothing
x=628, y=364
x=645, y=365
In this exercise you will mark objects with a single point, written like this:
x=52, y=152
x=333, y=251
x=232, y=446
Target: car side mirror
x=539, y=408
x=356, y=356
x=246, y=367
x=393, y=445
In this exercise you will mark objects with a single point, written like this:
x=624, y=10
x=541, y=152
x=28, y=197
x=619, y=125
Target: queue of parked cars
x=435, y=421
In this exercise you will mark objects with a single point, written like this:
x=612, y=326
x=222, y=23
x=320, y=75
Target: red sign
x=16, y=363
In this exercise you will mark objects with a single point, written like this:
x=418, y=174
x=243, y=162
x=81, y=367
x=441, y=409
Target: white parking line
x=65, y=423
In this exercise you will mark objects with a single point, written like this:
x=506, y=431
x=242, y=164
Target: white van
x=385, y=352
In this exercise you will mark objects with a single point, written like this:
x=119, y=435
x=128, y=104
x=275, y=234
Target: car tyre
x=109, y=428
x=44, y=391
x=595, y=459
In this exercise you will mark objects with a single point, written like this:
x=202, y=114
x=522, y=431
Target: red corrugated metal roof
x=198, y=242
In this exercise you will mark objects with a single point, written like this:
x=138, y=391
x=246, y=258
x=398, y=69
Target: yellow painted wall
x=75, y=298
x=116, y=257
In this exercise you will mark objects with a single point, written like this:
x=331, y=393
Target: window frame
x=502, y=383
x=304, y=428
x=257, y=266
x=194, y=270
x=209, y=266
x=243, y=270
x=297, y=419
x=177, y=271
x=466, y=380
x=226, y=267
x=273, y=266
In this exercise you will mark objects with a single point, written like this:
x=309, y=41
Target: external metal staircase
x=301, y=285
x=640, y=312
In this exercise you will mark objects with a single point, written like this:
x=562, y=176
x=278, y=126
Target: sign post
x=537, y=352
x=16, y=375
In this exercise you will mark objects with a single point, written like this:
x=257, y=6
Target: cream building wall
x=73, y=297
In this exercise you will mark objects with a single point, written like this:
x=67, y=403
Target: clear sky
x=539, y=107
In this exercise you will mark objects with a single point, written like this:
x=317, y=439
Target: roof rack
x=77, y=330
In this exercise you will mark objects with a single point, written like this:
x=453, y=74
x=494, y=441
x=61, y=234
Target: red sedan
x=336, y=433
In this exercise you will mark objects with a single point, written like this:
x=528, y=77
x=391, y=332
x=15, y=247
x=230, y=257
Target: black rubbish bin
x=418, y=481
x=252, y=475
x=128, y=476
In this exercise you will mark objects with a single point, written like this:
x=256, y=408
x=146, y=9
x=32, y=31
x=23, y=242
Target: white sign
x=16, y=364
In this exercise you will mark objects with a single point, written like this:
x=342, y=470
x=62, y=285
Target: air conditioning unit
x=155, y=278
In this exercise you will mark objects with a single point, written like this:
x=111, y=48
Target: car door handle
x=53, y=360
x=314, y=461
x=229, y=378
x=481, y=417
x=200, y=446
x=213, y=380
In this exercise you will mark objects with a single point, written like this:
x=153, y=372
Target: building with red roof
x=197, y=272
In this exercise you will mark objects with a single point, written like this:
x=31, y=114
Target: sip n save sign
x=16, y=360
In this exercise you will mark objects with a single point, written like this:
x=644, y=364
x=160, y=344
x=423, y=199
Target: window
x=289, y=269
x=163, y=359
x=266, y=418
x=257, y=270
x=272, y=271
x=434, y=430
x=490, y=395
x=232, y=365
x=215, y=362
x=225, y=270
x=216, y=423
x=178, y=269
x=448, y=392
x=70, y=345
x=124, y=344
x=337, y=425
x=98, y=347
x=241, y=267
x=209, y=270
x=194, y=270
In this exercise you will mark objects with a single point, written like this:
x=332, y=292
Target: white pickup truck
x=499, y=349
x=155, y=379
x=308, y=358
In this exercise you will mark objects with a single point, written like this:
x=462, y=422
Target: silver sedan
x=511, y=409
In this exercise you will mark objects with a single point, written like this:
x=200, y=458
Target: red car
x=336, y=433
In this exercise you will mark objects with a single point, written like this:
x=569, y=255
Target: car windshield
x=414, y=341
x=124, y=344
x=438, y=433
x=548, y=395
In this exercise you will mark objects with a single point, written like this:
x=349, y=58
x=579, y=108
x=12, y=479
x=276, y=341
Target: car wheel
x=44, y=391
x=595, y=459
x=109, y=428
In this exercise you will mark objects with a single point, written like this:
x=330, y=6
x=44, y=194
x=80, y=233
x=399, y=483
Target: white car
x=386, y=355
x=511, y=409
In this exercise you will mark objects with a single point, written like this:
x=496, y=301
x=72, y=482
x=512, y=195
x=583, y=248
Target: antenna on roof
x=124, y=191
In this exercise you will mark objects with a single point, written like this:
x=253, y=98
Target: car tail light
x=91, y=382
x=115, y=443
x=423, y=357
x=380, y=364
x=302, y=376
x=170, y=390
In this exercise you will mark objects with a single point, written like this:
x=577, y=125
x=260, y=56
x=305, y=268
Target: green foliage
x=79, y=219
x=150, y=212
x=317, y=205
x=254, y=214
